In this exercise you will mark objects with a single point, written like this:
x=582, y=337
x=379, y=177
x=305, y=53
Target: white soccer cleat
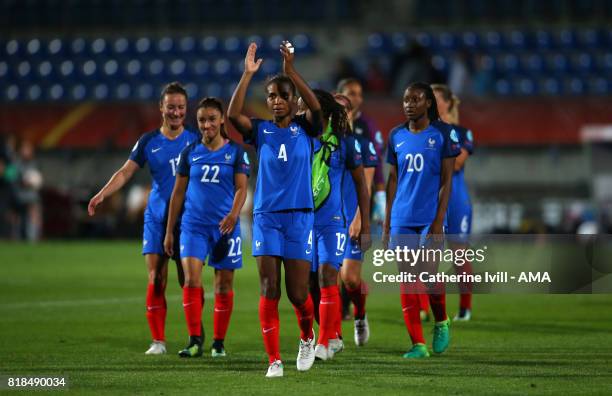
x=275, y=369
x=362, y=331
x=323, y=353
x=156, y=348
x=306, y=353
x=336, y=345
x=467, y=315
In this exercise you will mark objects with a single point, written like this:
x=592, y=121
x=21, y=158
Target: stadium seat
x=516, y=40
x=120, y=46
x=302, y=43
x=574, y=86
x=99, y=47
x=378, y=44
x=470, y=40
x=492, y=41
x=598, y=86
x=56, y=92
x=187, y=45
x=232, y=46
x=399, y=41
x=543, y=40
x=210, y=45
x=550, y=86
x=447, y=41
x=78, y=92
x=503, y=87
x=100, y=92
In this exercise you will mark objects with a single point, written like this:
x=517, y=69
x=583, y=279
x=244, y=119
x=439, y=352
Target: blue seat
x=13, y=47
x=44, y=70
x=88, y=69
x=508, y=63
x=543, y=40
x=302, y=43
x=78, y=92
x=5, y=71
x=439, y=62
x=164, y=46
x=270, y=67
x=232, y=46
x=145, y=91
x=155, y=68
x=121, y=46
x=143, y=46
x=492, y=40
x=447, y=41
x=122, y=91
x=524, y=86
x=34, y=47
x=78, y=47
x=56, y=47
x=110, y=69
x=229, y=89
x=574, y=86
x=199, y=68
x=557, y=63
x=193, y=91
x=470, y=40
x=222, y=69
x=378, y=43
x=503, y=87
x=604, y=61
x=550, y=86
x=187, y=45
x=533, y=63
x=590, y=39
x=212, y=89
x=209, y=45
x=100, y=91
x=582, y=62
x=566, y=39
x=598, y=85
x=56, y=92
x=516, y=40
x=425, y=39
x=399, y=42
x=133, y=68
x=99, y=47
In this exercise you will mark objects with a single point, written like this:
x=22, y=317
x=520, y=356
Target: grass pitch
x=77, y=310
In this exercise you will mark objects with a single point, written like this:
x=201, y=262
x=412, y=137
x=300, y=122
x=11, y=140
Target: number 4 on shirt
x=282, y=153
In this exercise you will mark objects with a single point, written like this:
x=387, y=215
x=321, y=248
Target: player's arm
x=174, y=209
x=356, y=223
x=316, y=115
x=229, y=222
x=446, y=176
x=236, y=106
x=460, y=160
x=114, y=184
x=391, y=190
x=360, y=227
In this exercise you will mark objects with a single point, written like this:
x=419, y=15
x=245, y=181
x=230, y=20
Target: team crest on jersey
x=372, y=149
x=454, y=137
x=228, y=157
x=294, y=130
x=469, y=136
x=246, y=158
x=432, y=142
x=357, y=146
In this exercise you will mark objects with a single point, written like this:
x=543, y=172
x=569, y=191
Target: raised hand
x=250, y=64
x=287, y=51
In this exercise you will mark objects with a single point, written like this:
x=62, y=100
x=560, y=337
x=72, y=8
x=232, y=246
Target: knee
x=352, y=280
x=297, y=298
x=192, y=281
x=269, y=288
x=157, y=278
x=223, y=287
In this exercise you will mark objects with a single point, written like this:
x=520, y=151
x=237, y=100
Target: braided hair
x=432, y=111
x=334, y=112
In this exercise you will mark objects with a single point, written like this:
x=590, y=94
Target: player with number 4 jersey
x=283, y=203
x=212, y=184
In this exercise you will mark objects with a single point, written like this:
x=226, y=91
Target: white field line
x=87, y=302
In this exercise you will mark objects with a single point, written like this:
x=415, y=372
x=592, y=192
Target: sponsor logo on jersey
x=266, y=131
x=155, y=150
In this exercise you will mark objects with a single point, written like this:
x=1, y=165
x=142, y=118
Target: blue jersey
x=284, y=179
x=211, y=187
x=459, y=192
x=369, y=159
x=162, y=155
x=346, y=158
x=418, y=157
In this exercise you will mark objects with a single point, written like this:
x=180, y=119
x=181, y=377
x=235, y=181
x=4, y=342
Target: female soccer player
x=459, y=204
x=421, y=154
x=350, y=273
x=213, y=172
x=283, y=205
x=161, y=149
x=337, y=156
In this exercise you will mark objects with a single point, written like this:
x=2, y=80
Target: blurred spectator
x=376, y=81
x=482, y=81
x=8, y=179
x=413, y=65
x=460, y=74
x=28, y=193
x=343, y=69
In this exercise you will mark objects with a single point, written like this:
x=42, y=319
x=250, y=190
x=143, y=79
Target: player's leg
x=224, y=304
x=157, y=269
x=328, y=310
x=459, y=232
x=357, y=291
x=315, y=293
x=193, y=303
x=270, y=292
